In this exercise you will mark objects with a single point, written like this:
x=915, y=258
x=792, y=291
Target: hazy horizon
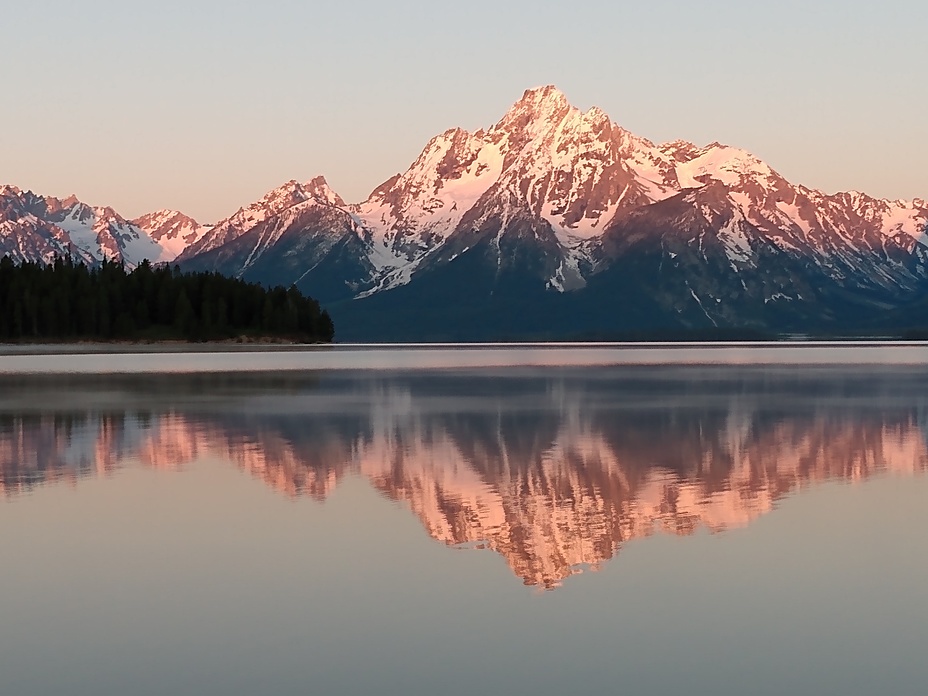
x=205, y=108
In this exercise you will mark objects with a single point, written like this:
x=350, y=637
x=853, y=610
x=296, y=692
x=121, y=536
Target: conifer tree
x=65, y=300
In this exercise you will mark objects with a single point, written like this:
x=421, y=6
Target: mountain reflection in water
x=554, y=470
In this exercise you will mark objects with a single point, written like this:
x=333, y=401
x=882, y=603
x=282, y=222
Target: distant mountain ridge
x=38, y=228
x=557, y=222
x=171, y=230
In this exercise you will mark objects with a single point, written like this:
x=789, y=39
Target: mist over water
x=503, y=529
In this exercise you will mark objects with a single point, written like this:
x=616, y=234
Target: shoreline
x=129, y=347
x=153, y=348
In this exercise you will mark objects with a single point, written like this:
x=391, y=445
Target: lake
x=465, y=520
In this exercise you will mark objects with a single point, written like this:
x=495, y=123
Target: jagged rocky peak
x=287, y=194
x=544, y=117
x=576, y=169
x=320, y=191
x=414, y=211
x=546, y=161
x=171, y=229
x=108, y=213
x=730, y=165
x=448, y=155
x=13, y=198
x=544, y=156
x=71, y=207
x=294, y=192
x=538, y=106
x=445, y=158
x=274, y=203
x=158, y=218
x=680, y=150
x=42, y=227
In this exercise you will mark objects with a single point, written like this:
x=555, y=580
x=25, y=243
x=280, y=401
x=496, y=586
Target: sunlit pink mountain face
x=552, y=221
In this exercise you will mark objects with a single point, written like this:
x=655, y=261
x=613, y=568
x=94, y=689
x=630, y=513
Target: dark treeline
x=67, y=300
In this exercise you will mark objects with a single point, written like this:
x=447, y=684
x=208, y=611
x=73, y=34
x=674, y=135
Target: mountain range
x=552, y=223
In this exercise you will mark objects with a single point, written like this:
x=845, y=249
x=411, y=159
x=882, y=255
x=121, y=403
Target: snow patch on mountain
x=731, y=166
x=794, y=216
x=172, y=231
x=417, y=210
x=734, y=237
x=103, y=233
x=273, y=203
x=908, y=218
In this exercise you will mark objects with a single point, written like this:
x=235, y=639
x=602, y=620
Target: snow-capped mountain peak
x=172, y=230
x=318, y=189
x=539, y=109
x=102, y=232
x=730, y=165
x=275, y=202
x=45, y=227
x=544, y=158
x=412, y=212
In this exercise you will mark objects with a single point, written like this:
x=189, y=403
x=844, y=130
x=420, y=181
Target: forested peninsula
x=67, y=300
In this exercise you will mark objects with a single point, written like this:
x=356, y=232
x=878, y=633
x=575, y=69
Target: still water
x=647, y=527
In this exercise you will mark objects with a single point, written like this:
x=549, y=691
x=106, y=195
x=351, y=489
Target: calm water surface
x=524, y=525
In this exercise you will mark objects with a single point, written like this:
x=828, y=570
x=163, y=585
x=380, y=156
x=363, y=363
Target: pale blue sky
x=203, y=106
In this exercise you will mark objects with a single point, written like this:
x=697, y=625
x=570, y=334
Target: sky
x=205, y=106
